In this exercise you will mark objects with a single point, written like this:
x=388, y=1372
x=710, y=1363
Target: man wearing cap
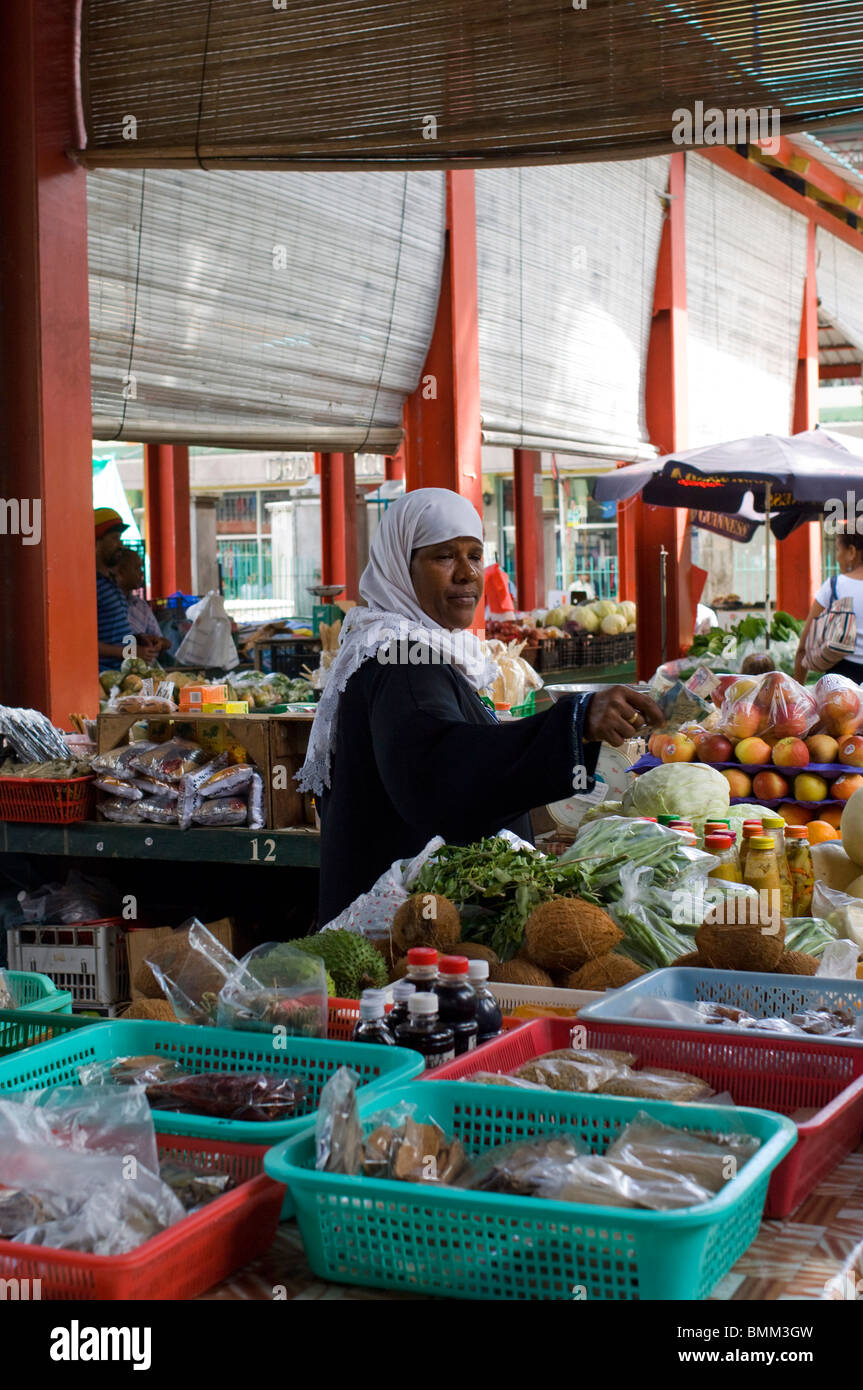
x=111, y=604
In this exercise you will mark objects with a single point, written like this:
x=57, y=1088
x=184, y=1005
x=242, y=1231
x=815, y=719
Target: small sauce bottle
x=775, y=826
x=457, y=1002
x=422, y=968
x=402, y=991
x=371, y=1027
x=722, y=846
x=750, y=828
x=425, y=1033
x=489, y=1018
x=762, y=873
x=800, y=864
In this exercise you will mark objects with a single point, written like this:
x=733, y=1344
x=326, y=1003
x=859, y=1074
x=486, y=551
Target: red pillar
x=48, y=645
x=442, y=416
x=798, y=558
x=666, y=411
x=339, y=523
x=627, y=579
x=394, y=464
x=169, y=539
x=529, y=559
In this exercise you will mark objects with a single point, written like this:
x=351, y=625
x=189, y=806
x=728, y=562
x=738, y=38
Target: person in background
x=129, y=574
x=114, y=632
x=848, y=584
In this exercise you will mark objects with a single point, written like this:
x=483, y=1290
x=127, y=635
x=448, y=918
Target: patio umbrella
x=788, y=479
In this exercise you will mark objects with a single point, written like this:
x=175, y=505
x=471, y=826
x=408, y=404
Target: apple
x=769, y=786
x=851, y=751
x=715, y=748
x=810, y=787
x=840, y=711
x=738, y=782
x=795, y=815
x=654, y=743
x=822, y=748
x=695, y=732
x=742, y=721
x=718, y=694
x=769, y=689
x=752, y=751
x=846, y=785
x=742, y=686
x=677, y=748
x=790, y=752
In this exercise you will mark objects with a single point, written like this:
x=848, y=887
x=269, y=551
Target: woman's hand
x=618, y=714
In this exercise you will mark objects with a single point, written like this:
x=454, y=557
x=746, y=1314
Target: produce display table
x=297, y=847
x=821, y=1244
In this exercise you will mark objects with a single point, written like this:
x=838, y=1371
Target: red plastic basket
x=44, y=801
x=183, y=1261
x=776, y=1074
x=344, y=1015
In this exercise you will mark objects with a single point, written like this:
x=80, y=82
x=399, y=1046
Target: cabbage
x=743, y=811
x=627, y=608
x=693, y=791
x=613, y=623
x=556, y=617
x=603, y=607
x=585, y=617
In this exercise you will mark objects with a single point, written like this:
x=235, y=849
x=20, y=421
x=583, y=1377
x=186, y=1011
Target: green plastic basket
x=211, y=1049
x=483, y=1245
x=35, y=991
x=21, y=1028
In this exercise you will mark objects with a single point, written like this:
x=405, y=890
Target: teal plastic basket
x=762, y=995
x=483, y=1245
x=35, y=991
x=314, y=1060
x=27, y=1028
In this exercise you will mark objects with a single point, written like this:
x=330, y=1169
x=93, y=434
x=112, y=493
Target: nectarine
x=851, y=751
x=715, y=749
x=677, y=748
x=742, y=721
x=769, y=786
x=738, y=782
x=822, y=748
x=810, y=787
x=752, y=751
x=846, y=785
x=790, y=752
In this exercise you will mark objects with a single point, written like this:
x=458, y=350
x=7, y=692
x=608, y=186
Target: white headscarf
x=427, y=516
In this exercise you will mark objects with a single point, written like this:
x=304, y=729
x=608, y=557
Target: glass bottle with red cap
x=457, y=1001
x=422, y=968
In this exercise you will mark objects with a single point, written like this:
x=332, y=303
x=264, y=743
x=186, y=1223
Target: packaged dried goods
x=172, y=760
x=226, y=780
x=118, y=787
x=116, y=808
x=161, y=810
x=192, y=1186
x=221, y=810
x=256, y=818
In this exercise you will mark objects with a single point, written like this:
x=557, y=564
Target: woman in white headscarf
x=402, y=747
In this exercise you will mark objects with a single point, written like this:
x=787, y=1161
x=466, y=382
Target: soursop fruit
x=351, y=960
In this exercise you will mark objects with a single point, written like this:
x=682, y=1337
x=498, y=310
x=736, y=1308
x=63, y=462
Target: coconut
x=475, y=951
x=426, y=919
x=519, y=972
x=694, y=958
x=605, y=972
x=158, y=1009
x=740, y=948
x=796, y=963
x=567, y=932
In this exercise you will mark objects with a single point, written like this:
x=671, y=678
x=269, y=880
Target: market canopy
x=261, y=309
x=435, y=83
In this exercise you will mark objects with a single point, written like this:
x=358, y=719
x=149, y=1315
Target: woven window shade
x=745, y=272
x=839, y=278
x=261, y=309
x=319, y=84
x=566, y=272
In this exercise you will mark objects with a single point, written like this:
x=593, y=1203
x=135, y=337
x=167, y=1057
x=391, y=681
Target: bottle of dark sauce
x=488, y=1012
x=402, y=991
x=425, y=1033
x=371, y=1027
x=422, y=968
x=457, y=1002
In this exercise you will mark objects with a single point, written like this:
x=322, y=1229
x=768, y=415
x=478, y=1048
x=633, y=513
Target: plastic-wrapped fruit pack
x=839, y=703
x=772, y=706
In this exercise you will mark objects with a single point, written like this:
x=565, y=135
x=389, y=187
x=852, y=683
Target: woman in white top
x=849, y=584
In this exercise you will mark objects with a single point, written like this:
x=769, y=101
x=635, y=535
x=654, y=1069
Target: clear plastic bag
x=172, y=760
x=338, y=1132
x=115, y=808
x=187, y=795
x=226, y=781
x=221, y=810
x=840, y=911
x=226, y=1095
x=770, y=706
x=256, y=819
x=276, y=986
x=839, y=961
x=399, y=1147
x=161, y=810
x=839, y=703
x=190, y=967
x=156, y=786
x=118, y=761
x=372, y=913
x=8, y=993
x=646, y=1146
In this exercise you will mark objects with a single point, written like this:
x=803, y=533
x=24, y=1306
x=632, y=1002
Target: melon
x=851, y=827
x=833, y=865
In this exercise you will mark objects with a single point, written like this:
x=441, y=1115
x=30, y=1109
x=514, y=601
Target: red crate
x=187, y=1259
x=776, y=1074
x=44, y=801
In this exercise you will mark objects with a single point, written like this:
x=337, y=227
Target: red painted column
x=48, y=620
x=169, y=538
x=666, y=388
x=394, y=464
x=529, y=559
x=339, y=523
x=798, y=558
x=442, y=416
x=627, y=579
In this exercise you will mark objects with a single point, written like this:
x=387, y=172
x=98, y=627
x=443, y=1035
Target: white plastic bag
x=208, y=641
x=372, y=913
x=839, y=961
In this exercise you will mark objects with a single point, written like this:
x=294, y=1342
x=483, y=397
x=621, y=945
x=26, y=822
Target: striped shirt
x=112, y=611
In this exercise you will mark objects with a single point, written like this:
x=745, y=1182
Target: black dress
x=418, y=754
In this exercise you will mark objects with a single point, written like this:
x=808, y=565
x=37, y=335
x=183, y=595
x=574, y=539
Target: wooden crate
x=289, y=739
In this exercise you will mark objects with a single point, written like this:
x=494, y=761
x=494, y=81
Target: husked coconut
x=796, y=963
x=519, y=972
x=693, y=958
x=567, y=932
x=606, y=972
x=740, y=948
x=474, y=950
x=426, y=919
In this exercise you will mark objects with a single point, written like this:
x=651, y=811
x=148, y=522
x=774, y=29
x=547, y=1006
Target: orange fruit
x=797, y=815
x=832, y=815
x=820, y=830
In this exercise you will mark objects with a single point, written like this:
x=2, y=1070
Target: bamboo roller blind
x=261, y=309
x=839, y=277
x=338, y=83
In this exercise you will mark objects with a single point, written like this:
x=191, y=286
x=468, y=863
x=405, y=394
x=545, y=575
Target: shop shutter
x=566, y=271
x=839, y=278
x=745, y=272
x=313, y=83
x=261, y=310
